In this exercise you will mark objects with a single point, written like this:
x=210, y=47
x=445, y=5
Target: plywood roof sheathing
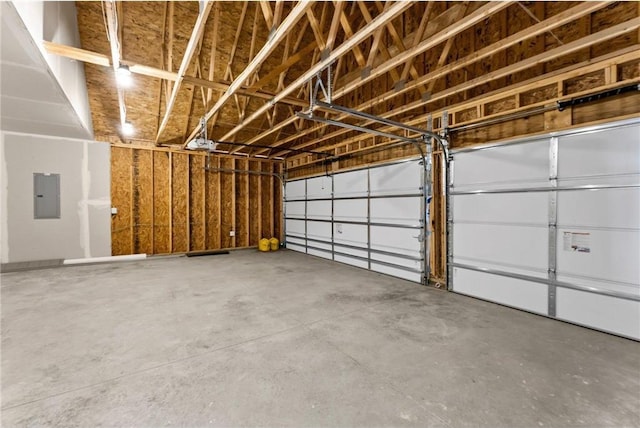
x=194, y=41
x=345, y=47
x=271, y=44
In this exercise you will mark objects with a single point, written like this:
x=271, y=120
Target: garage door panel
x=607, y=285
x=613, y=255
x=397, y=240
x=512, y=166
x=350, y=184
x=326, y=254
x=295, y=190
x=518, y=208
x=615, y=208
x=351, y=261
x=350, y=210
x=396, y=210
x=295, y=227
x=527, y=295
x=295, y=209
x=611, y=151
x=351, y=234
x=397, y=179
x=606, y=313
x=589, y=273
x=319, y=187
x=496, y=243
x=319, y=231
x=320, y=210
x=408, y=262
x=369, y=218
x=400, y=273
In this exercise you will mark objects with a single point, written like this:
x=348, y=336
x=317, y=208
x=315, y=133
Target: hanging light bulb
x=123, y=76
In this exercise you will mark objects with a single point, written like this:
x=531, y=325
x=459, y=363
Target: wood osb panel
x=255, y=205
x=197, y=215
x=227, y=203
x=180, y=203
x=161, y=202
x=143, y=201
x=266, y=191
x=168, y=203
x=213, y=205
x=242, y=203
x=121, y=223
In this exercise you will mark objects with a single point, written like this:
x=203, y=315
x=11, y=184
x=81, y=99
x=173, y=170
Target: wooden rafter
x=277, y=14
x=463, y=24
x=348, y=33
x=417, y=37
x=335, y=24
x=169, y=84
x=574, y=46
x=194, y=40
x=288, y=23
x=103, y=60
x=213, y=51
x=267, y=12
x=443, y=55
x=396, y=9
x=112, y=30
x=315, y=26
x=381, y=47
x=556, y=77
x=533, y=31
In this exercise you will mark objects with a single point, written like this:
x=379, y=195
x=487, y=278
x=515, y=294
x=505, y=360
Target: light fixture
x=123, y=76
x=127, y=129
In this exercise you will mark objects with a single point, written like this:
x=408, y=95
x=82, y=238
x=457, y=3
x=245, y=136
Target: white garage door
x=552, y=226
x=372, y=218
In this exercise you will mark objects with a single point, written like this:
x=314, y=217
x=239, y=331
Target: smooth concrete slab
x=284, y=339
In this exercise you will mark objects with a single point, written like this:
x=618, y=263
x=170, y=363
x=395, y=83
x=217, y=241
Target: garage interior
x=448, y=194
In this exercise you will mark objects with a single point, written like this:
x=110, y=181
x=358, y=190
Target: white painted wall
x=84, y=227
x=56, y=21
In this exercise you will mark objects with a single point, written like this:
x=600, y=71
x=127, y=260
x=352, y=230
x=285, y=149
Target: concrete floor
x=283, y=339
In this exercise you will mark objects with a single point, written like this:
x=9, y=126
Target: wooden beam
x=112, y=30
x=345, y=47
x=283, y=66
x=271, y=44
x=335, y=24
x=236, y=39
x=266, y=11
x=213, y=51
x=465, y=23
x=194, y=40
x=417, y=37
x=315, y=26
x=277, y=15
x=557, y=77
x=103, y=60
x=381, y=47
x=348, y=33
x=442, y=60
x=169, y=86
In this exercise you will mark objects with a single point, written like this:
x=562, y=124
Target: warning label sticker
x=577, y=241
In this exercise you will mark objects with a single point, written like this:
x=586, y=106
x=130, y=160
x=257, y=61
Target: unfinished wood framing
x=168, y=203
x=496, y=70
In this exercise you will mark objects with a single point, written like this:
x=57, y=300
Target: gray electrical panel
x=46, y=195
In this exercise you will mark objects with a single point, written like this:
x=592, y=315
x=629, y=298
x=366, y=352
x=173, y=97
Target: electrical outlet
x=232, y=233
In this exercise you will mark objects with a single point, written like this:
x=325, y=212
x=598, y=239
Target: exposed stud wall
x=168, y=203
